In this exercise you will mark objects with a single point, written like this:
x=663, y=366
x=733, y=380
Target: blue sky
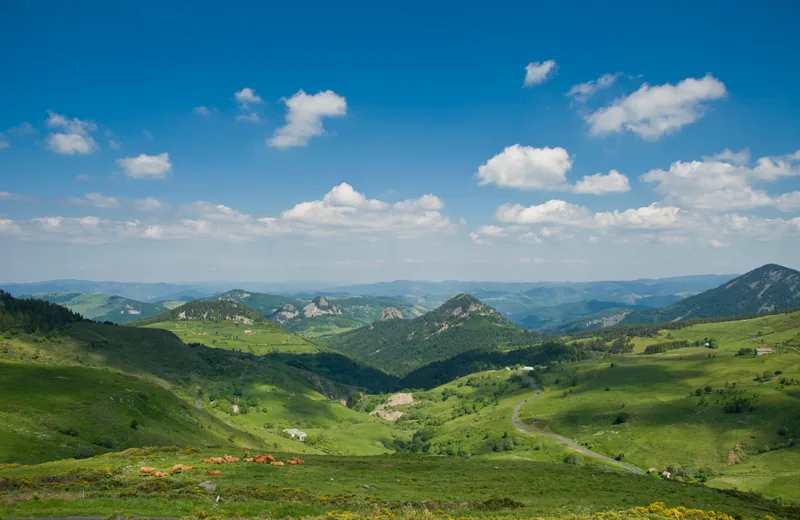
x=448, y=131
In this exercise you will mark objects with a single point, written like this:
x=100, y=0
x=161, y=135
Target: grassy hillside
x=646, y=406
x=378, y=488
x=50, y=413
x=768, y=288
x=103, y=307
x=460, y=325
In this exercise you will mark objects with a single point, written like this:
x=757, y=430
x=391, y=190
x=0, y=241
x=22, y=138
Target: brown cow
x=275, y=463
x=228, y=458
x=249, y=459
x=218, y=460
x=213, y=472
x=297, y=460
x=160, y=474
x=246, y=453
x=291, y=462
x=234, y=459
x=210, y=459
x=188, y=468
x=270, y=458
x=147, y=470
x=177, y=468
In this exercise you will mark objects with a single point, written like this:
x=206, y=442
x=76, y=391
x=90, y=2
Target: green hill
x=461, y=324
x=770, y=287
x=103, y=307
x=322, y=315
x=552, y=318
x=53, y=412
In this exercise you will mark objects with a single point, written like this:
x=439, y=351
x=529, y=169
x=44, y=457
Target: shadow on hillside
x=441, y=372
x=340, y=369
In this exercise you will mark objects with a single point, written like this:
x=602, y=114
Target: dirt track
x=575, y=446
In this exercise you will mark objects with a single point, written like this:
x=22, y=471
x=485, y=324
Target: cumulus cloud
x=724, y=181
x=655, y=111
x=600, y=184
x=96, y=200
x=204, y=111
x=304, y=117
x=74, y=138
x=82, y=177
x=8, y=226
x=526, y=167
x=583, y=91
x=146, y=166
x=538, y=72
x=251, y=117
x=552, y=211
x=247, y=97
x=148, y=204
x=113, y=144
x=4, y=142
x=478, y=236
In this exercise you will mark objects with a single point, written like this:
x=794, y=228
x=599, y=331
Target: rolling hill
x=102, y=307
x=461, y=324
x=321, y=315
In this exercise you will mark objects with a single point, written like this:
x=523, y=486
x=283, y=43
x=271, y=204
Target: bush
x=783, y=431
x=68, y=430
x=572, y=459
x=84, y=452
x=621, y=418
x=134, y=425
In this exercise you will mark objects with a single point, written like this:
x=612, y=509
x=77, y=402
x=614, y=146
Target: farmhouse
x=527, y=369
x=764, y=351
x=295, y=433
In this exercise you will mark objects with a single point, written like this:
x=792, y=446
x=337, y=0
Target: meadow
x=259, y=338
x=350, y=487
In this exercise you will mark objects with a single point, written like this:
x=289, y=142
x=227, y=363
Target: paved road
x=589, y=453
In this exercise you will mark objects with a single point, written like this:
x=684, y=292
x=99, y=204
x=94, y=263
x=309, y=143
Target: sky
x=373, y=141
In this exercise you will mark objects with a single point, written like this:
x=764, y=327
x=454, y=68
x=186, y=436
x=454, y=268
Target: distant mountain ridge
x=209, y=311
x=103, y=307
x=767, y=288
x=461, y=324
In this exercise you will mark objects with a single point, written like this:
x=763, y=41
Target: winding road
x=589, y=453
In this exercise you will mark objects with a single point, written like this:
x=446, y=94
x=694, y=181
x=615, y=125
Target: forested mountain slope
x=461, y=324
x=103, y=307
x=770, y=287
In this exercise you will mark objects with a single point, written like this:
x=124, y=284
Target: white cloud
x=252, y=117
x=216, y=212
x=23, y=128
x=304, y=117
x=653, y=112
x=599, y=184
x=247, y=97
x=148, y=204
x=96, y=200
x=4, y=195
x=717, y=243
x=552, y=211
x=593, y=239
x=533, y=260
x=653, y=216
x=113, y=144
x=538, y=71
x=583, y=91
x=788, y=201
x=146, y=166
x=723, y=181
x=740, y=158
x=82, y=177
x=3, y=142
x=527, y=168
x=8, y=226
x=204, y=111
x=147, y=135
x=482, y=232
x=75, y=138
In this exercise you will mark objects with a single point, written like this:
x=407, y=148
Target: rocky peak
x=390, y=313
x=321, y=302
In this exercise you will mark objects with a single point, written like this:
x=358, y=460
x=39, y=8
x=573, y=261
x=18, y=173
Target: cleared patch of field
x=259, y=338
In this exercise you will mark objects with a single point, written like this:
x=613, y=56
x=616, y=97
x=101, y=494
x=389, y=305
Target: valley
x=388, y=408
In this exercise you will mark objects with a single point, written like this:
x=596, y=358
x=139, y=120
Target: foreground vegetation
x=352, y=487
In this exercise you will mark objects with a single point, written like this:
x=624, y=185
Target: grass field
x=348, y=487
x=51, y=413
x=667, y=424
x=258, y=338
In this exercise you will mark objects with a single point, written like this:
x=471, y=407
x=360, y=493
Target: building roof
x=764, y=349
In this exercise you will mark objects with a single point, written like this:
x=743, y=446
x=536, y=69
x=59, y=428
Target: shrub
x=783, y=430
x=621, y=418
x=572, y=459
x=84, y=452
x=68, y=430
x=134, y=425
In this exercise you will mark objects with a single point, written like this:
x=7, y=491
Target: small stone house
x=763, y=351
x=294, y=433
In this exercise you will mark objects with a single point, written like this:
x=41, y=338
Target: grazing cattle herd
x=263, y=458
